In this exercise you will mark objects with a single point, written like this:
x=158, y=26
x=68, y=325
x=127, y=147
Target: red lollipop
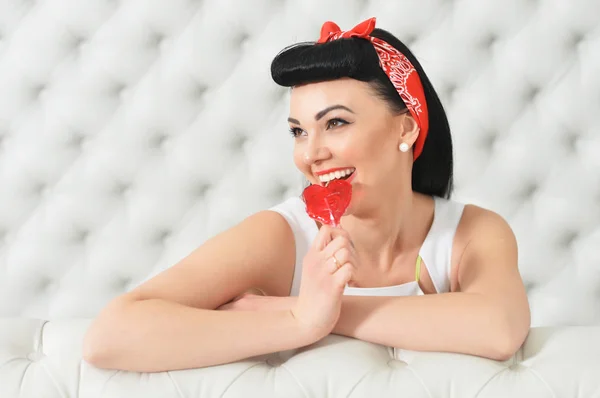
x=328, y=204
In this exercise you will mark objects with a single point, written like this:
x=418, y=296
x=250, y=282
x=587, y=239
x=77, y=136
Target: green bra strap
x=418, y=269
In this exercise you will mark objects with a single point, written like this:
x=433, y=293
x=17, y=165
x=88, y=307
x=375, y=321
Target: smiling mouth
x=337, y=175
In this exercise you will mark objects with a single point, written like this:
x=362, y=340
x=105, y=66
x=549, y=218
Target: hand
x=324, y=278
x=253, y=302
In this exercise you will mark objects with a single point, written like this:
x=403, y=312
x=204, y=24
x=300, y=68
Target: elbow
x=505, y=349
x=98, y=342
x=91, y=357
x=512, y=337
x=94, y=350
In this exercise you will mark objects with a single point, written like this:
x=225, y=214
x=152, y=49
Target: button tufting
x=528, y=191
x=529, y=286
x=577, y=39
x=82, y=235
x=450, y=91
x=517, y=367
x=238, y=142
x=122, y=189
x=163, y=236
x=164, y=44
x=45, y=285
x=532, y=93
x=160, y=141
x=281, y=94
x=119, y=90
x=125, y=282
x=242, y=40
x=198, y=91
x=489, y=41
x=568, y=239
x=571, y=140
x=35, y=356
x=200, y=189
x=77, y=140
x=50, y=287
x=396, y=364
x=409, y=40
x=274, y=361
x=78, y=43
x=363, y=4
x=279, y=191
x=490, y=141
x=82, y=45
x=39, y=91
x=156, y=39
x=41, y=189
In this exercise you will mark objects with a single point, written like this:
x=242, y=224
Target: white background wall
x=132, y=131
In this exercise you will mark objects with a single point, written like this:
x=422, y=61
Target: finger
x=342, y=234
x=323, y=238
x=342, y=252
x=339, y=259
x=337, y=244
x=342, y=257
x=335, y=232
x=327, y=234
x=344, y=274
x=332, y=265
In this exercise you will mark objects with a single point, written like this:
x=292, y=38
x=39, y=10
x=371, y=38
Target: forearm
x=449, y=322
x=156, y=335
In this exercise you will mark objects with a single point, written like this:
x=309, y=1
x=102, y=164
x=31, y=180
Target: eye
x=295, y=131
x=340, y=122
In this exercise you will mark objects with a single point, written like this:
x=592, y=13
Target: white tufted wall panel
x=131, y=131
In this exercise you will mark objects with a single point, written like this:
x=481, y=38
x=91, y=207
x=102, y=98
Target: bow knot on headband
x=396, y=66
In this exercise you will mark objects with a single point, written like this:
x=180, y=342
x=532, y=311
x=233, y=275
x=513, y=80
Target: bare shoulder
x=476, y=220
x=482, y=230
x=258, y=252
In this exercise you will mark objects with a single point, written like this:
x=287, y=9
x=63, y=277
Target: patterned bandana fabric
x=396, y=66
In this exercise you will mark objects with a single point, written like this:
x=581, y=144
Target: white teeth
x=336, y=174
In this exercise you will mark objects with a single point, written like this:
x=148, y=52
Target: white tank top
x=436, y=250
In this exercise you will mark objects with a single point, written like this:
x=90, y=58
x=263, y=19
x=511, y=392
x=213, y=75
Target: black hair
x=356, y=58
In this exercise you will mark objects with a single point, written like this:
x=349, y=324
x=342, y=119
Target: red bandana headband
x=396, y=66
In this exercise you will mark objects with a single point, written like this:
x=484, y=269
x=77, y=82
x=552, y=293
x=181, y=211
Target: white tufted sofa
x=132, y=131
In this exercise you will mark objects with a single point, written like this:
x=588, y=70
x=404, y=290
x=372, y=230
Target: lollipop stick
x=330, y=213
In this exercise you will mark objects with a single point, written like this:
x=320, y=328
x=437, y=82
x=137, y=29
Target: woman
x=405, y=263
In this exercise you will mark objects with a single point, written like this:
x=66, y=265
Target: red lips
x=328, y=204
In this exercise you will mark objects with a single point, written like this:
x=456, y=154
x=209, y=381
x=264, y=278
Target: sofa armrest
x=44, y=358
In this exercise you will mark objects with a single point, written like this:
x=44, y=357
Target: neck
x=389, y=228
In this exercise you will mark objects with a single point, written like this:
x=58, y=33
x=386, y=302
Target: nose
x=315, y=151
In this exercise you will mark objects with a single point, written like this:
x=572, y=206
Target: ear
x=408, y=129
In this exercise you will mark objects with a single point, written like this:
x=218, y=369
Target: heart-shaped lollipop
x=328, y=204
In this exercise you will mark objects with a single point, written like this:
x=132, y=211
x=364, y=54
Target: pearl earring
x=404, y=147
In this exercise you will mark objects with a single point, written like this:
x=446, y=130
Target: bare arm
x=170, y=322
x=488, y=317
x=156, y=335
x=449, y=322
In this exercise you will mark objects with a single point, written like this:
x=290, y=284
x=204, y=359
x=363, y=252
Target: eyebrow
x=322, y=113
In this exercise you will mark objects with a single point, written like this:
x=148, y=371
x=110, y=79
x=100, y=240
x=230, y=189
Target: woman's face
x=341, y=125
